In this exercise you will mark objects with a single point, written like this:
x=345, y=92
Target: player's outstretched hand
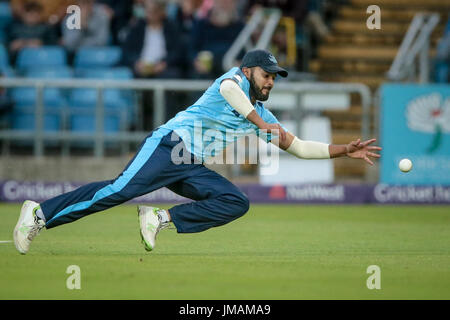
x=363, y=150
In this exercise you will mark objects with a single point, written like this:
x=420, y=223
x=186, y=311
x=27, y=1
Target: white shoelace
x=164, y=225
x=35, y=229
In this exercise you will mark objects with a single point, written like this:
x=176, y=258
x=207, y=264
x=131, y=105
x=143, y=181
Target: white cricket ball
x=405, y=165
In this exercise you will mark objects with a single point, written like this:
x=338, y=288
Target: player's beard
x=256, y=91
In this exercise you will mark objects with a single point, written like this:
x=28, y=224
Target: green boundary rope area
x=273, y=252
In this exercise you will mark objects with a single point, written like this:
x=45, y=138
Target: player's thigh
x=204, y=183
x=146, y=171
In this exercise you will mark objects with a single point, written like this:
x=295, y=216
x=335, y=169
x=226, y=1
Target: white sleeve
x=234, y=95
x=309, y=149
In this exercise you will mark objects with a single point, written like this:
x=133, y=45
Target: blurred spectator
x=184, y=13
x=205, y=8
x=302, y=11
x=211, y=38
x=310, y=28
x=53, y=11
x=297, y=9
x=120, y=12
x=152, y=45
x=151, y=49
x=137, y=13
x=29, y=30
x=94, y=27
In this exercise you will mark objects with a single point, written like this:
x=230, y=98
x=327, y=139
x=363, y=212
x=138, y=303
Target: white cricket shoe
x=28, y=227
x=150, y=225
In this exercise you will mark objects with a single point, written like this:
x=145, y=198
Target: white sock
x=40, y=214
x=163, y=216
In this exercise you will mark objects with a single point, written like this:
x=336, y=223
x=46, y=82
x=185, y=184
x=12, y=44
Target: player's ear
x=246, y=72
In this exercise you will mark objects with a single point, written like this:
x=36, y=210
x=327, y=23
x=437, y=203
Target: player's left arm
x=318, y=150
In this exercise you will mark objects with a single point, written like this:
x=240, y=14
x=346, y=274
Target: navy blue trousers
x=217, y=200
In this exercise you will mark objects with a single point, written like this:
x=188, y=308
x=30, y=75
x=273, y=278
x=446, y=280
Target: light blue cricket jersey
x=211, y=124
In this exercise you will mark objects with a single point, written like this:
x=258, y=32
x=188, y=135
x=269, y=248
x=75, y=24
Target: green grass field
x=273, y=252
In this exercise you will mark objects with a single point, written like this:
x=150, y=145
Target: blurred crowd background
x=147, y=39
x=158, y=39
x=187, y=39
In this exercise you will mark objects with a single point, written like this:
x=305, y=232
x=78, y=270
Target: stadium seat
x=82, y=104
x=4, y=60
x=115, y=73
x=27, y=97
x=62, y=72
x=118, y=73
x=53, y=97
x=5, y=19
x=46, y=56
x=86, y=123
x=97, y=57
x=5, y=12
x=25, y=120
x=114, y=98
x=116, y=109
x=9, y=72
x=81, y=97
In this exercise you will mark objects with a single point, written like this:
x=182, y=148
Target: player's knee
x=233, y=205
x=242, y=204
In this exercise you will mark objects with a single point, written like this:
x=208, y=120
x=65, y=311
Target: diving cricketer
x=233, y=102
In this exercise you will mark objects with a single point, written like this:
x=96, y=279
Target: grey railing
x=244, y=41
x=39, y=136
x=415, y=45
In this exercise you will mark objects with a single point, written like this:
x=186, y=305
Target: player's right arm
x=236, y=98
